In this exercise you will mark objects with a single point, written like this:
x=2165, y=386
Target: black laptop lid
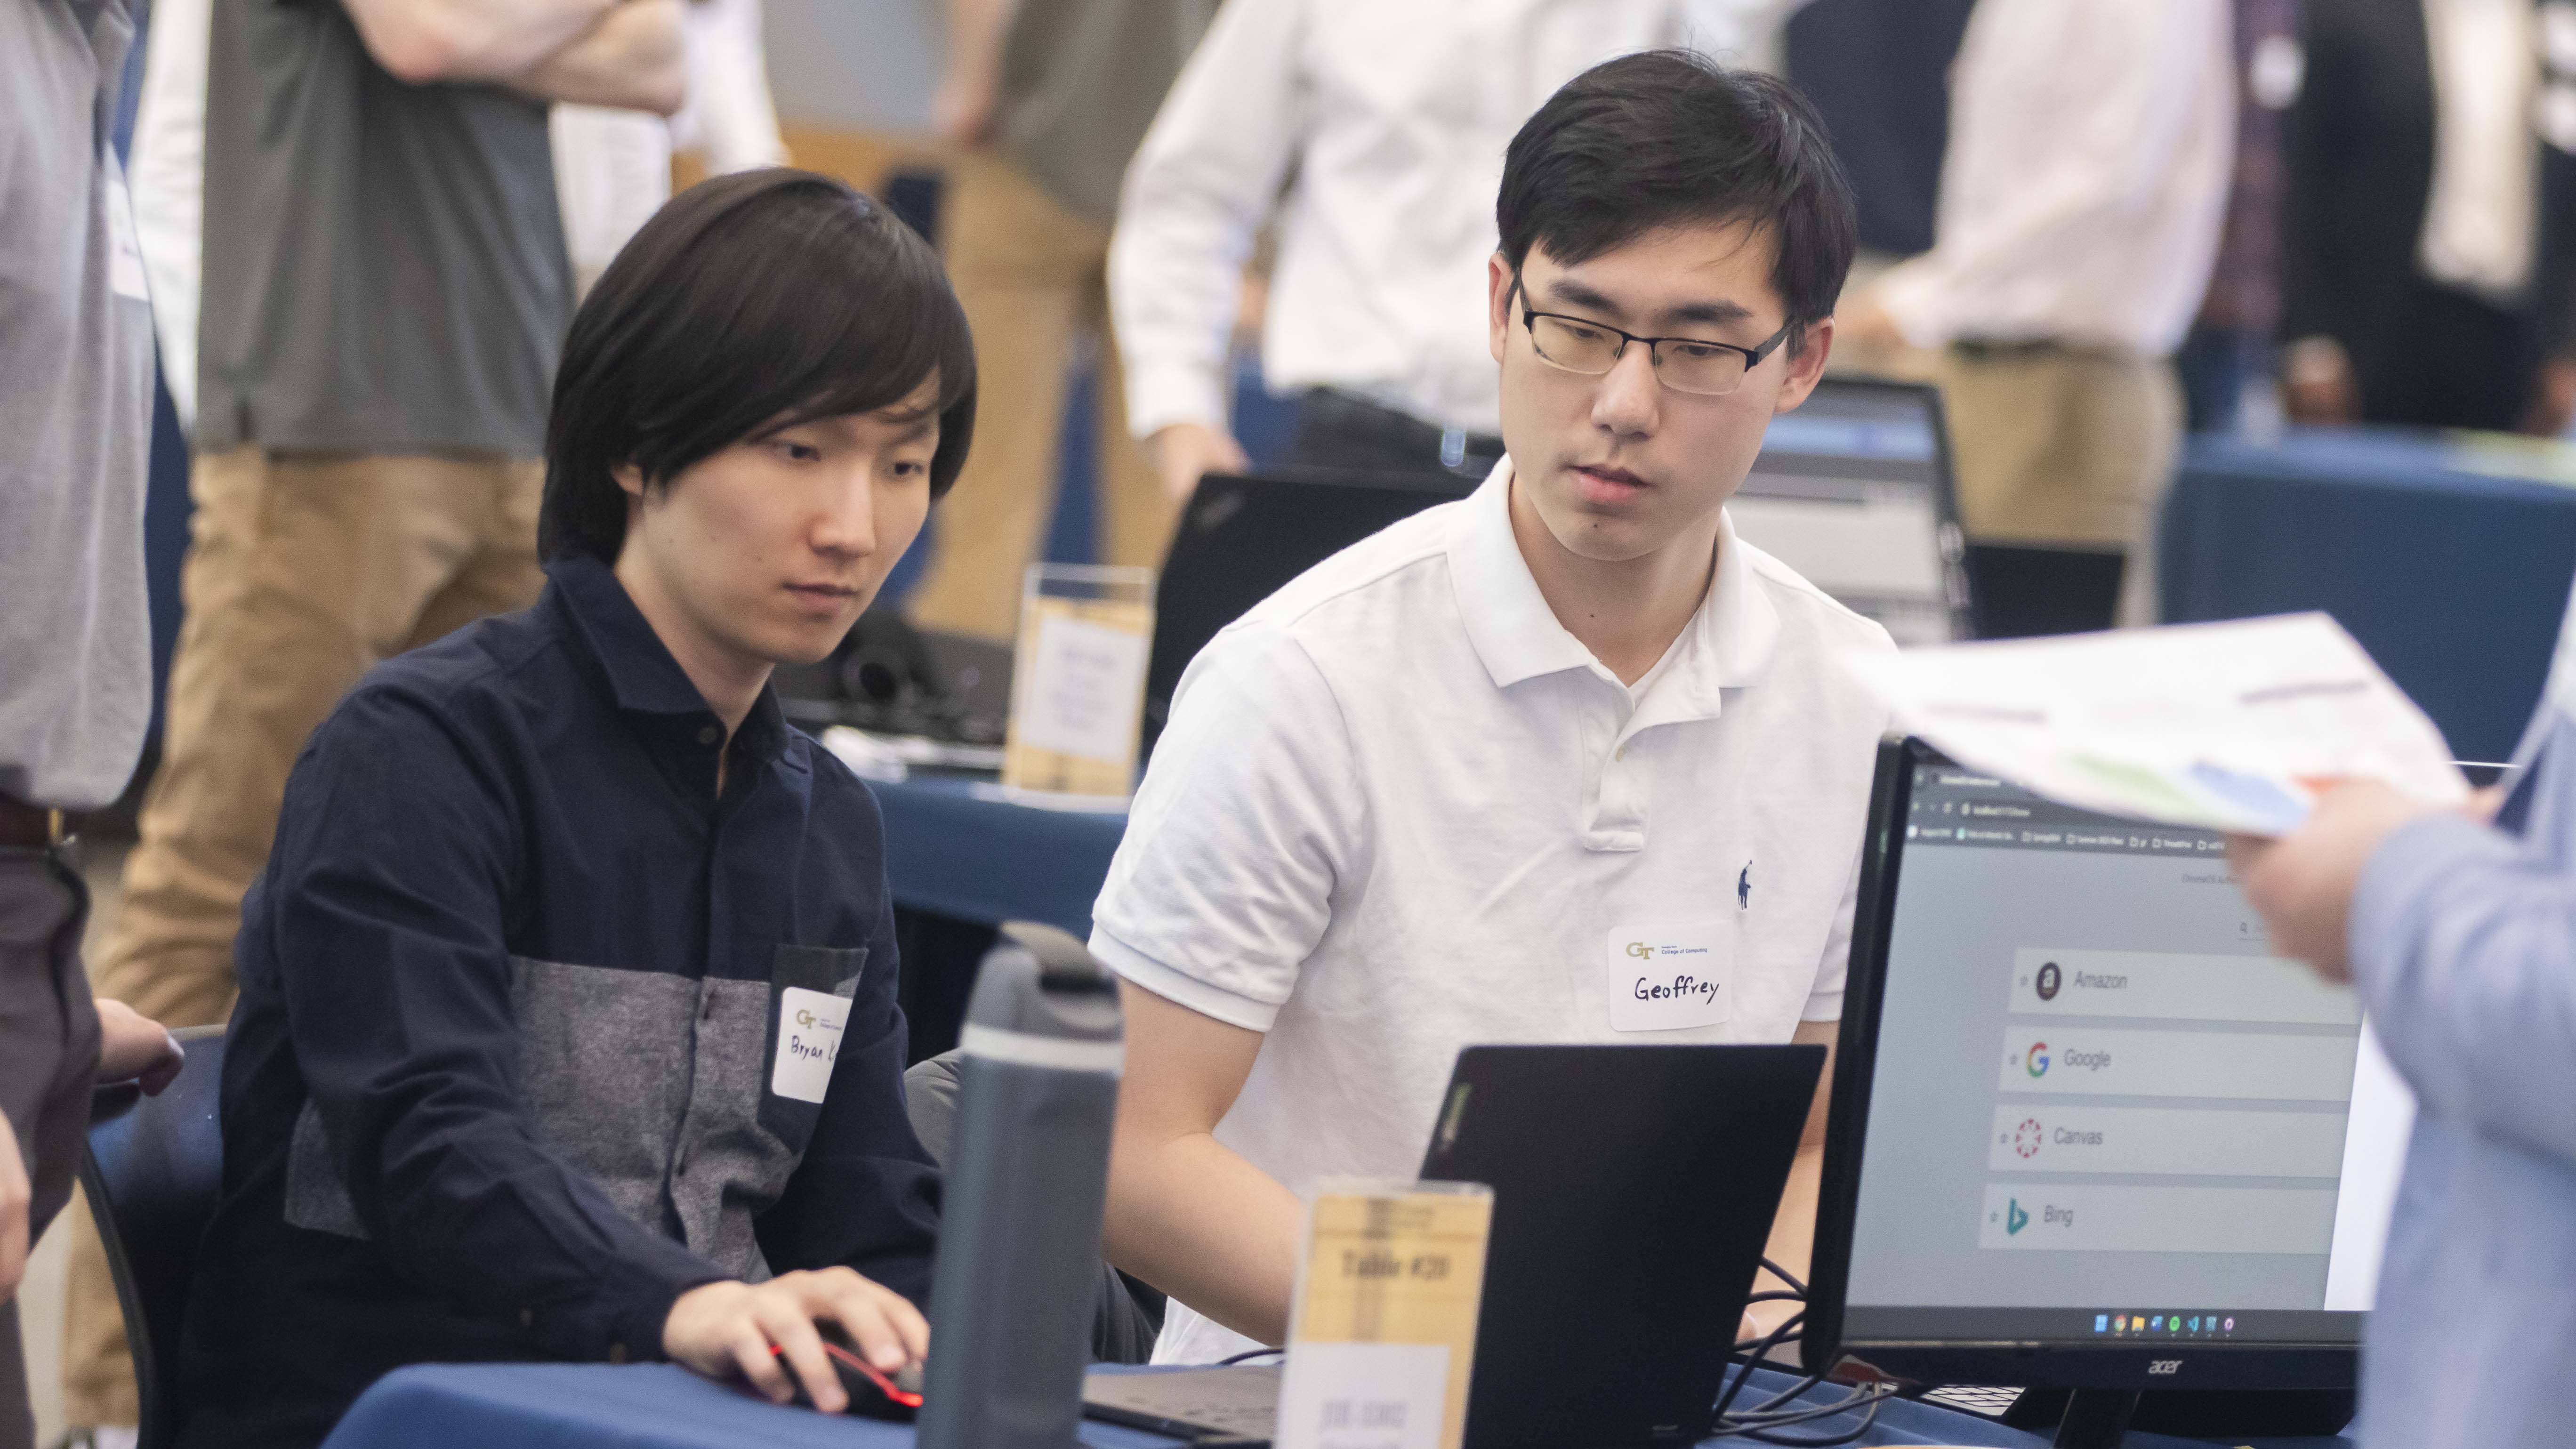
x=1243, y=537
x=1634, y=1187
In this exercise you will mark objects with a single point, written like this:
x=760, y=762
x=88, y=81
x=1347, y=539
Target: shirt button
x=707, y=736
x=1620, y=753
x=527, y=1318
x=617, y=1353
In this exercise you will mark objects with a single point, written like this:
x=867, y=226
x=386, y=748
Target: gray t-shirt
x=384, y=263
x=75, y=413
x=1081, y=80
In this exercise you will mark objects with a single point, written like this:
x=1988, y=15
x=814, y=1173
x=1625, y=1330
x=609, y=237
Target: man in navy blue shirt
x=568, y=1024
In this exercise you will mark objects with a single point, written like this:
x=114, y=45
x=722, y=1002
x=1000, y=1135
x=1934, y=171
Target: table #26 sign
x=1078, y=682
x=1383, y=1336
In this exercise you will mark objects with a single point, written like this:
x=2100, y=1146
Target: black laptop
x=1634, y=1187
x=1243, y=536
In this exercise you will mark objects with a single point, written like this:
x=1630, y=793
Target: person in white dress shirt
x=1391, y=116
x=2081, y=199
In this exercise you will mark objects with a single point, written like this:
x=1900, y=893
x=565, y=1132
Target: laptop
x=1853, y=491
x=1634, y=1188
x=1244, y=536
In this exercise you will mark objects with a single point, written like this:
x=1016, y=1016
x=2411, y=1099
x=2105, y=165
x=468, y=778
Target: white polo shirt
x=1399, y=810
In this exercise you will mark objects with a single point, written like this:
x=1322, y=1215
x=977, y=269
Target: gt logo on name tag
x=1670, y=976
x=809, y=1037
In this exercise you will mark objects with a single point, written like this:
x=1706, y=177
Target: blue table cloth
x=2447, y=555
x=957, y=853
x=657, y=1406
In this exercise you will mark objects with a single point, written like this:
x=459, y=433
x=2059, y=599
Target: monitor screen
x=1852, y=491
x=2099, y=1111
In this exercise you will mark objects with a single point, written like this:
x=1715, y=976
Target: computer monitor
x=2087, y=1131
x=1853, y=491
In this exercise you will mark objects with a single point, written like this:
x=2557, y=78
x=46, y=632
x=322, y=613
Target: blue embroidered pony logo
x=1744, y=888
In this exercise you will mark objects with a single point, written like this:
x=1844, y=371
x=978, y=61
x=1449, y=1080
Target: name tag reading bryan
x=809, y=1037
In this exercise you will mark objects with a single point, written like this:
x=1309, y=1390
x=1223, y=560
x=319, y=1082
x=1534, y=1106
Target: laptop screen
x=2100, y=1108
x=1852, y=491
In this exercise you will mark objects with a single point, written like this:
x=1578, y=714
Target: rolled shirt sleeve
x=385, y=900
x=1202, y=183
x=1248, y=820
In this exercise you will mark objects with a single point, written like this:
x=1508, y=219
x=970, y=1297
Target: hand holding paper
x=2234, y=726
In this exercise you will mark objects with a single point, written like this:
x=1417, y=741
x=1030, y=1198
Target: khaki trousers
x=2059, y=446
x=304, y=571
x=1032, y=279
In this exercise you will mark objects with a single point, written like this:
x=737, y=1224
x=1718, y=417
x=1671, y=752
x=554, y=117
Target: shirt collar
x=1728, y=643
x=642, y=676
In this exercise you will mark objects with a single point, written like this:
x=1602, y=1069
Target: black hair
x=760, y=299
x=1665, y=137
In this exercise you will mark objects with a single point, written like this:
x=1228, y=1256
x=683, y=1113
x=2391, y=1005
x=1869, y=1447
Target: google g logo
x=2035, y=1061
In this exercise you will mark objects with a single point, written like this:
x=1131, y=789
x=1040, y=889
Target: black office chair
x=153, y=1172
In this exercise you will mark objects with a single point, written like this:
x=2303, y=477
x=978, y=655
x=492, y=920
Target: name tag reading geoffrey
x=809, y=1037
x=1671, y=976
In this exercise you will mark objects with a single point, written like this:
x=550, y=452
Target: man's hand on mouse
x=725, y=1330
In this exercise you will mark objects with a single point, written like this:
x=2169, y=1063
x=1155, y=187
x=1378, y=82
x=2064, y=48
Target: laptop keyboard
x=1240, y=1400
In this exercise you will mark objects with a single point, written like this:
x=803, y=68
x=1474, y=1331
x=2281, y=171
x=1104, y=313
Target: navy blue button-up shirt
x=510, y=1070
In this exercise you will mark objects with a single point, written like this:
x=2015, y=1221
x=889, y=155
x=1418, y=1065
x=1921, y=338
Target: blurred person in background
x=1047, y=99
x=1392, y=119
x=613, y=164
x=75, y=650
x=2081, y=197
x=2429, y=236
x=1878, y=72
x=385, y=291
x=2230, y=341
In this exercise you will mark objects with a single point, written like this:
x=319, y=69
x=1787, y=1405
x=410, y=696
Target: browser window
x=2099, y=1096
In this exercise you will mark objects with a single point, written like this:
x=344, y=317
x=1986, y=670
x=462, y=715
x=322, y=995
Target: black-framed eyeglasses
x=1684, y=364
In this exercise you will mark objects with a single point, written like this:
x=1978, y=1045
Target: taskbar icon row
x=2164, y=1325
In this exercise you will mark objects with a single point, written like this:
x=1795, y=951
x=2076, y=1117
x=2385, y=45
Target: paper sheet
x=2230, y=726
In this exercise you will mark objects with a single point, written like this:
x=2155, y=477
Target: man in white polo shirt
x=1427, y=794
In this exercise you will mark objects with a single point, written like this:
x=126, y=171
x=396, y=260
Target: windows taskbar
x=2100, y=1327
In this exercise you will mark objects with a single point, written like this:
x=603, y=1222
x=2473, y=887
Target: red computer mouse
x=874, y=1393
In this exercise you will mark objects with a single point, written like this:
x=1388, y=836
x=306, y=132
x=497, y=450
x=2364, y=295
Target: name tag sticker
x=809, y=1037
x=1670, y=976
